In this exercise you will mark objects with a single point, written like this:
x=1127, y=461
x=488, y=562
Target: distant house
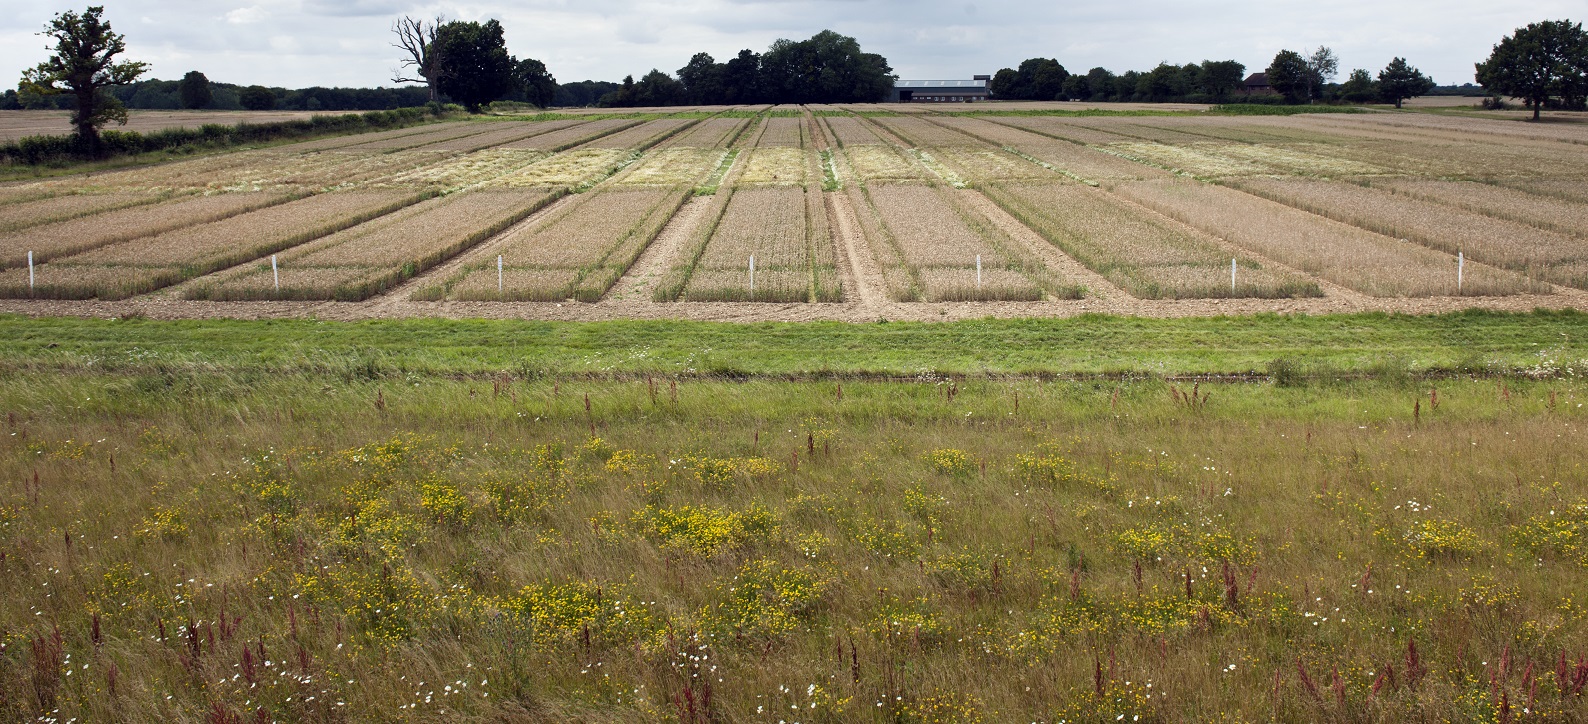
x=1257, y=85
x=940, y=91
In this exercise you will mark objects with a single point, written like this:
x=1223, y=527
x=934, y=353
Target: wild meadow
x=184, y=541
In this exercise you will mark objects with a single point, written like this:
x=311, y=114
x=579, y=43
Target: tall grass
x=426, y=547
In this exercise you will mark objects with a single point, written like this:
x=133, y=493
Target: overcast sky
x=297, y=43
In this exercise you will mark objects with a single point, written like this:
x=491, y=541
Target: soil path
x=390, y=306
x=635, y=285
x=864, y=280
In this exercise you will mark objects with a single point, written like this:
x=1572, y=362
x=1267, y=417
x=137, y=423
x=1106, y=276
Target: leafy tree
x=1100, y=81
x=826, y=68
x=583, y=93
x=622, y=97
x=1322, y=68
x=1043, y=78
x=9, y=101
x=417, y=39
x=702, y=79
x=535, y=82
x=1539, y=61
x=257, y=98
x=1076, y=87
x=1037, y=79
x=195, y=90
x=84, y=65
x=659, y=89
x=1291, y=76
x=475, y=68
x=1220, y=78
x=1005, y=85
x=741, y=78
x=1399, y=81
x=1125, y=85
x=1359, y=87
x=1161, y=83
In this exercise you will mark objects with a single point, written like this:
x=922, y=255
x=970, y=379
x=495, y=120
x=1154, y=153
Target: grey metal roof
x=964, y=84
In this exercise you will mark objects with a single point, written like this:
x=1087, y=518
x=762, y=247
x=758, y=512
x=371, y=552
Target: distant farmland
x=16, y=124
x=849, y=213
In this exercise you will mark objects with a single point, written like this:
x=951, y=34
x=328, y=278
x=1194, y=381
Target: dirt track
x=638, y=306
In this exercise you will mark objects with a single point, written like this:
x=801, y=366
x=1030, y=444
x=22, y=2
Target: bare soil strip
x=396, y=306
x=635, y=285
x=863, y=277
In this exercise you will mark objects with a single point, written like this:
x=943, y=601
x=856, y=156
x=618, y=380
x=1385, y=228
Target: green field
x=1369, y=518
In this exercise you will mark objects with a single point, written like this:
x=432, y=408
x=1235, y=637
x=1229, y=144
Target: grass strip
x=1534, y=343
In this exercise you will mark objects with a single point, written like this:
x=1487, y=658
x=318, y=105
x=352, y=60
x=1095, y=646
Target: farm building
x=940, y=91
x=1257, y=85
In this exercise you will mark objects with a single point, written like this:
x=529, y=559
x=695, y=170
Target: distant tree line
x=1293, y=78
x=167, y=95
x=825, y=68
x=1211, y=81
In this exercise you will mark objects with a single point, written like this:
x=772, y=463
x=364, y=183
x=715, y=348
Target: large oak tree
x=1538, y=62
x=85, y=65
x=475, y=67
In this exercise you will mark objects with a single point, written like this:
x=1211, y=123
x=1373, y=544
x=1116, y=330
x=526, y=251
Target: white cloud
x=246, y=16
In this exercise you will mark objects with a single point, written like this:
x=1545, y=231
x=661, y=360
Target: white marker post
x=498, y=273
x=1461, y=269
x=978, y=273
x=1232, y=276
x=275, y=272
x=752, y=277
x=30, y=272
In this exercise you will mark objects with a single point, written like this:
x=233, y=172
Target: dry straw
x=367, y=259
x=1146, y=255
x=1352, y=257
x=1542, y=254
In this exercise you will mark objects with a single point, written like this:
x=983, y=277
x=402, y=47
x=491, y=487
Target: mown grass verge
x=1542, y=342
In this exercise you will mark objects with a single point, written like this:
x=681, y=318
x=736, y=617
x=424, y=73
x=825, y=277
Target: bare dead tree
x=417, y=38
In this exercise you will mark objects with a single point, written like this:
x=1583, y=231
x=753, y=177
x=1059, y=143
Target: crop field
x=140, y=265
x=642, y=136
x=854, y=212
x=49, y=241
x=1542, y=254
x=60, y=208
x=576, y=253
x=665, y=521
x=710, y=133
x=933, y=248
x=783, y=230
x=768, y=239
x=366, y=259
x=1352, y=257
x=1147, y=256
